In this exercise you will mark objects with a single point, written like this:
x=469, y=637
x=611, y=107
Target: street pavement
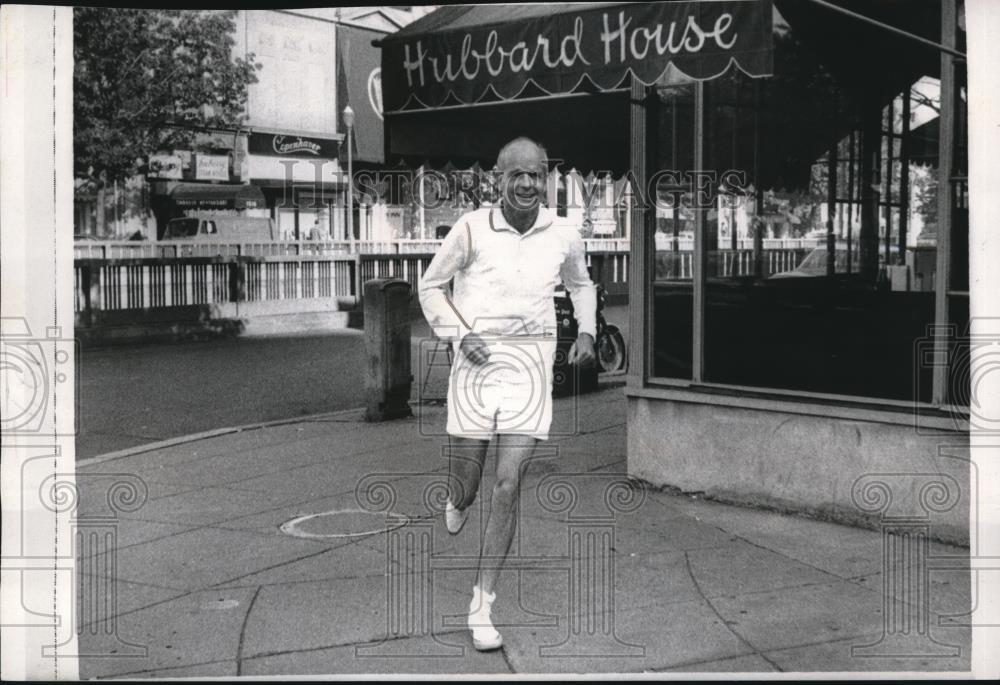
x=144, y=393
x=606, y=575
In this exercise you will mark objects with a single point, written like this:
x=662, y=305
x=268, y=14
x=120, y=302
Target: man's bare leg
x=512, y=452
x=465, y=468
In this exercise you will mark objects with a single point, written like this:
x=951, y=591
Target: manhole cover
x=343, y=523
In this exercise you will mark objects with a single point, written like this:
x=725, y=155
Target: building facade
x=835, y=383
x=291, y=148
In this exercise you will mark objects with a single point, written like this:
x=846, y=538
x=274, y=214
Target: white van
x=220, y=228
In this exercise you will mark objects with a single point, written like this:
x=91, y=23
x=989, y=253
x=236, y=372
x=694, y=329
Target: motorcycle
x=610, y=344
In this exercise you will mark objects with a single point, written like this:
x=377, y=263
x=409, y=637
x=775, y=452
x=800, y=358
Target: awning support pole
x=871, y=135
x=887, y=208
x=831, y=209
x=851, y=160
x=699, y=266
x=641, y=262
x=892, y=29
x=904, y=176
x=946, y=161
x=758, y=210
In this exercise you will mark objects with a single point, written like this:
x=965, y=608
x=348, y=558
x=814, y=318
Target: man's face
x=523, y=174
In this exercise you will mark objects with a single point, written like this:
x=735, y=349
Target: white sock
x=481, y=602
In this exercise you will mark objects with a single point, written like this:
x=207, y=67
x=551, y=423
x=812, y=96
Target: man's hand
x=582, y=351
x=476, y=349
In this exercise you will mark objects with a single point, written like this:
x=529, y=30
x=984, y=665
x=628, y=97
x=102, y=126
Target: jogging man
x=504, y=264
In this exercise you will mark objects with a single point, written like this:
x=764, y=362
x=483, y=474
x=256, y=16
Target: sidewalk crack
x=779, y=553
x=269, y=568
x=506, y=660
x=357, y=643
x=701, y=593
x=243, y=630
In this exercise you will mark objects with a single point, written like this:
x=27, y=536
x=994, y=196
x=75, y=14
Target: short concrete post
x=387, y=349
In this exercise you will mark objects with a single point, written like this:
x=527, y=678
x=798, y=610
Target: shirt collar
x=499, y=223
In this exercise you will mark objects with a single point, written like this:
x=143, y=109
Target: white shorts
x=511, y=393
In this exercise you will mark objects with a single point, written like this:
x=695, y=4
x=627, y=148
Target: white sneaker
x=454, y=518
x=484, y=636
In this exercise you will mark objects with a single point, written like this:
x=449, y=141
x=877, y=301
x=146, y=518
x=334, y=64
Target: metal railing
x=679, y=265
x=664, y=241
x=120, y=285
x=251, y=272
x=103, y=285
x=174, y=249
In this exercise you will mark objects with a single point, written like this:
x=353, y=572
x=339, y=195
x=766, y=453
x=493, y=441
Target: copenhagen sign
x=284, y=145
x=556, y=52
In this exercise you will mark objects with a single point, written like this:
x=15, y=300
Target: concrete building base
x=864, y=473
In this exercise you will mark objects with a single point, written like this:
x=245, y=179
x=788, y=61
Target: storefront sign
x=294, y=170
x=211, y=167
x=166, y=166
x=285, y=145
x=557, y=51
x=216, y=196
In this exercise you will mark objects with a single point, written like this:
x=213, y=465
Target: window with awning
x=458, y=81
x=794, y=109
x=465, y=53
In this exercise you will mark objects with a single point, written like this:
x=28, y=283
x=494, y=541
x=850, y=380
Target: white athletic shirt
x=504, y=281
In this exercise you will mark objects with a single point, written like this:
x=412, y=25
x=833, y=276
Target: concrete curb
x=215, y=432
x=612, y=380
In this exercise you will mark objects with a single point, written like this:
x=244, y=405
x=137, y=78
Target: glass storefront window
x=673, y=239
x=820, y=248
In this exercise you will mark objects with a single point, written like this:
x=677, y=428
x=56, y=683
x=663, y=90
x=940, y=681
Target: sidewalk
x=601, y=578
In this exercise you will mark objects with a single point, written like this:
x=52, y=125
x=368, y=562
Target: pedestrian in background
x=317, y=232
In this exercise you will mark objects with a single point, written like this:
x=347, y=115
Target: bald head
x=523, y=169
x=521, y=153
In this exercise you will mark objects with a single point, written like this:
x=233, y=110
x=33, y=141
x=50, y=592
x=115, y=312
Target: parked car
x=814, y=263
x=219, y=227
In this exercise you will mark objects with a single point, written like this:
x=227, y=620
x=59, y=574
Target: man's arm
x=435, y=299
x=583, y=294
x=581, y=289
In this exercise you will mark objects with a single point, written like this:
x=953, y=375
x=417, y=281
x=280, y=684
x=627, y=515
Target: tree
x=145, y=79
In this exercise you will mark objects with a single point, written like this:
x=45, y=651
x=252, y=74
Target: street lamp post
x=349, y=123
